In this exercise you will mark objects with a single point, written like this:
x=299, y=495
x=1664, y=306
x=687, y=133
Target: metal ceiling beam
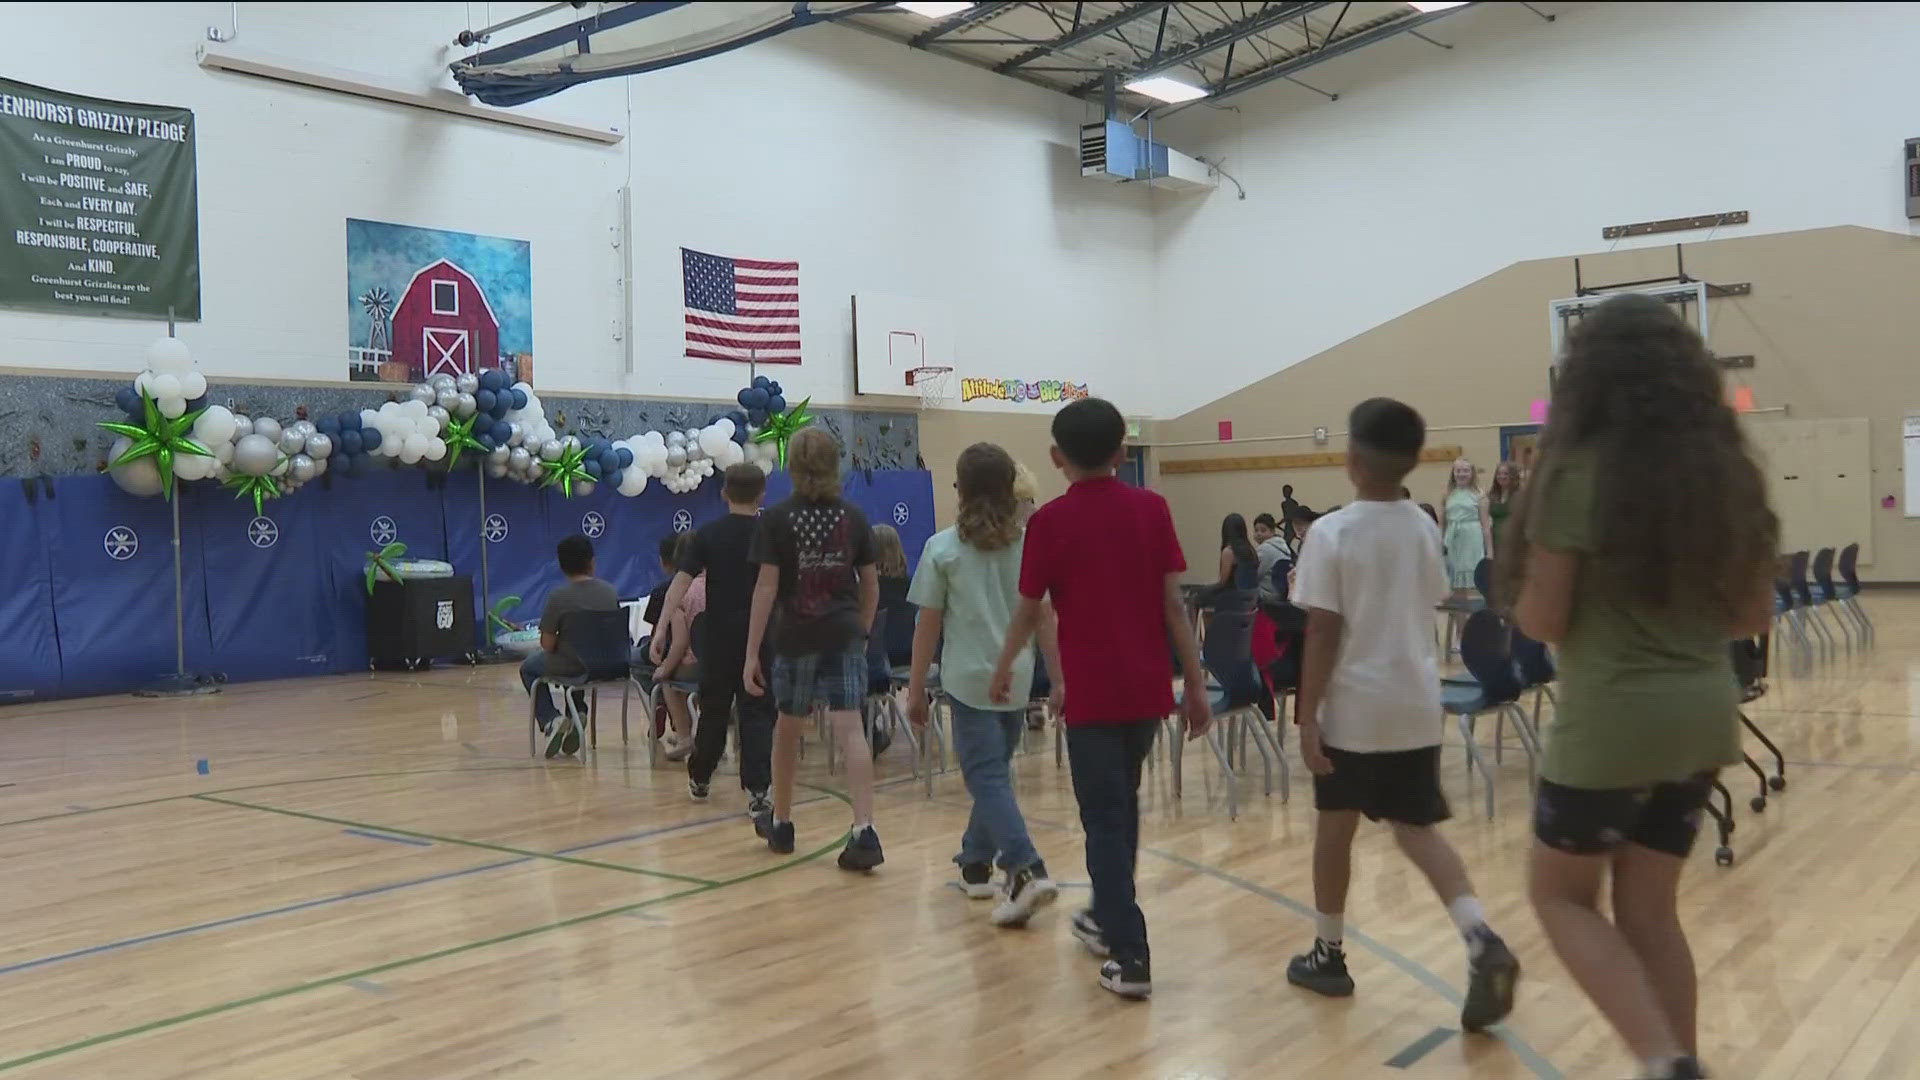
x=1225, y=35
x=1083, y=34
x=951, y=23
x=1289, y=67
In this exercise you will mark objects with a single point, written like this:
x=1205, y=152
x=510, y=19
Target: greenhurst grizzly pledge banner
x=99, y=206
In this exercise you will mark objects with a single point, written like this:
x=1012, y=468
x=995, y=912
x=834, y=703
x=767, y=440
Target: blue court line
x=384, y=836
x=1419, y=1048
x=357, y=894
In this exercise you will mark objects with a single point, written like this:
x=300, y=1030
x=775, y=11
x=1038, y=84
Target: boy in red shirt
x=1106, y=554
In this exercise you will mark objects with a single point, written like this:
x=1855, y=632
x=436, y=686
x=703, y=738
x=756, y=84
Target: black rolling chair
x=599, y=641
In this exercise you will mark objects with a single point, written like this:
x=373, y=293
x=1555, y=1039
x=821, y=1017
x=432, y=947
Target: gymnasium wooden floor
x=366, y=877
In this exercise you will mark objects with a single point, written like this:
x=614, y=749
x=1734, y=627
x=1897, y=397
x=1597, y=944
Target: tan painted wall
x=1833, y=323
x=946, y=432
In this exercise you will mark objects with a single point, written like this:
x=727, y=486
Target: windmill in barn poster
x=421, y=302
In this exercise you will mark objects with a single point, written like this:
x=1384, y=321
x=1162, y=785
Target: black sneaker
x=758, y=805
x=1323, y=970
x=1089, y=933
x=1490, y=981
x=556, y=738
x=1131, y=979
x=780, y=837
x=1027, y=890
x=570, y=741
x=976, y=880
x=862, y=851
x=1685, y=1069
x=696, y=790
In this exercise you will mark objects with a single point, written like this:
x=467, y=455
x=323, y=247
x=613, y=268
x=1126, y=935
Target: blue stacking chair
x=1234, y=689
x=601, y=643
x=1847, y=591
x=1486, y=650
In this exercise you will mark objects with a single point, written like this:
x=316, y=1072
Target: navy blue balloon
x=761, y=382
x=369, y=439
x=757, y=398
x=519, y=397
x=483, y=400
x=127, y=400
x=502, y=405
x=624, y=456
x=742, y=396
x=777, y=404
x=197, y=403
x=351, y=441
x=592, y=466
x=612, y=479
x=492, y=380
x=328, y=426
x=488, y=440
x=757, y=417
x=610, y=461
x=350, y=421
x=740, y=434
x=773, y=387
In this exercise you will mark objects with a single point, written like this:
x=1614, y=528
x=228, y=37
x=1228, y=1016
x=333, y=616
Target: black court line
x=1419, y=1048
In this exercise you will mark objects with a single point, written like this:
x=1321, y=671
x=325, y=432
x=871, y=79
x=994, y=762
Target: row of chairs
x=1810, y=605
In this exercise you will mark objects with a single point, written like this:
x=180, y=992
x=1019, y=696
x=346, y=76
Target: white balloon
x=143, y=383
x=436, y=449
x=414, y=408
x=173, y=408
x=192, y=385
x=215, y=424
x=427, y=426
x=169, y=356
x=632, y=482
x=222, y=452
x=413, y=448
x=369, y=418
x=713, y=438
x=164, y=386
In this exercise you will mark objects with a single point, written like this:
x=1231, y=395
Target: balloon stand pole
x=488, y=652
x=179, y=684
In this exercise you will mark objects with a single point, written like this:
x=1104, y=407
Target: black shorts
x=1401, y=786
x=1593, y=821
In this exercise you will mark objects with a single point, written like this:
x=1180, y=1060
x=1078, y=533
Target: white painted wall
x=1436, y=168
x=875, y=166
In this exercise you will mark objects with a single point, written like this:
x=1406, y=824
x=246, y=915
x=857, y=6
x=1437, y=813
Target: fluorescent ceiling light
x=1427, y=6
x=1163, y=88
x=934, y=11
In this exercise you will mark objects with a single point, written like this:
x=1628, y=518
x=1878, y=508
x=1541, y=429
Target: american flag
x=742, y=309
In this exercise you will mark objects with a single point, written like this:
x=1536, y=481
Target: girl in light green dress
x=1465, y=536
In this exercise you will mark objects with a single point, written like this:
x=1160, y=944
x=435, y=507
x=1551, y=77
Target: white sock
x=1661, y=1067
x=1329, y=928
x=1468, y=917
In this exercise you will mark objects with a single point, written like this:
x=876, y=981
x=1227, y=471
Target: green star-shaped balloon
x=260, y=487
x=460, y=437
x=158, y=438
x=571, y=469
x=380, y=564
x=782, y=426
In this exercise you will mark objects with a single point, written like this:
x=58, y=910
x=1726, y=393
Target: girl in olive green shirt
x=1642, y=545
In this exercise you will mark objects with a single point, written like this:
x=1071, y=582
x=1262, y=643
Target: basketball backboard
x=893, y=335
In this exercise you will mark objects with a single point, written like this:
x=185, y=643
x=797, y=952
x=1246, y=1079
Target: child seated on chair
x=1368, y=577
x=582, y=592
x=680, y=665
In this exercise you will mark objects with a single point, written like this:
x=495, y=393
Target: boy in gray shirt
x=582, y=592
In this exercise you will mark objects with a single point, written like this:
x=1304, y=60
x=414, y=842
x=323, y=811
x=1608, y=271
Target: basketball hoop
x=931, y=381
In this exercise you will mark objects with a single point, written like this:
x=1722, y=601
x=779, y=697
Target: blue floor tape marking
x=1419, y=1048
x=415, y=841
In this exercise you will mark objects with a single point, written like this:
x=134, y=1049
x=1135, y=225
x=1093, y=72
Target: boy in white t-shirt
x=1370, y=575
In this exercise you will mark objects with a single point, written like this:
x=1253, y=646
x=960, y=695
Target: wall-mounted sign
x=1051, y=391
x=99, y=203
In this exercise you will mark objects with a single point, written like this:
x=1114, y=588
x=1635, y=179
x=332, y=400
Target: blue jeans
x=1105, y=760
x=984, y=741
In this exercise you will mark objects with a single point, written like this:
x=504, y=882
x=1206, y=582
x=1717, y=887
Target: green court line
x=455, y=840
x=391, y=965
x=268, y=784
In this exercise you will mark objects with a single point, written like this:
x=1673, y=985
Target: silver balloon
x=532, y=445
x=268, y=426
x=440, y=414
x=302, y=469
x=319, y=446
x=676, y=456
x=467, y=383
x=305, y=428
x=516, y=433
x=140, y=476
x=255, y=455
x=695, y=452
x=425, y=395
x=497, y=472
x=551, y=451
x=447, y=398
x=519, y=460
x=498, y=455
x=693, y=435
x=291, y=441
x=319, y=464
x=464, y=405
x=676, y=438
x=241, y=426
x=583, y=487
x=441, y=381
x=571, y=442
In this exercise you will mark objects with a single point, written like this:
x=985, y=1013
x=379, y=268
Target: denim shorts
x=837, y=680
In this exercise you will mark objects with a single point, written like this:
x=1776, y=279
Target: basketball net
x=931, y=381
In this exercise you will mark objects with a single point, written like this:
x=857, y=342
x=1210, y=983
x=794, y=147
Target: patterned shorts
x=1586, y=821
x=837, y=680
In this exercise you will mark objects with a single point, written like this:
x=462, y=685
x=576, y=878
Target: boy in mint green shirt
x=967, y=587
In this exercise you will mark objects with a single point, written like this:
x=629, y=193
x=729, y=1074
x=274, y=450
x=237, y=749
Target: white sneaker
x=674, y=747
x=1026, y=890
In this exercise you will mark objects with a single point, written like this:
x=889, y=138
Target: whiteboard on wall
x=1910, y=463
x=894, y=334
